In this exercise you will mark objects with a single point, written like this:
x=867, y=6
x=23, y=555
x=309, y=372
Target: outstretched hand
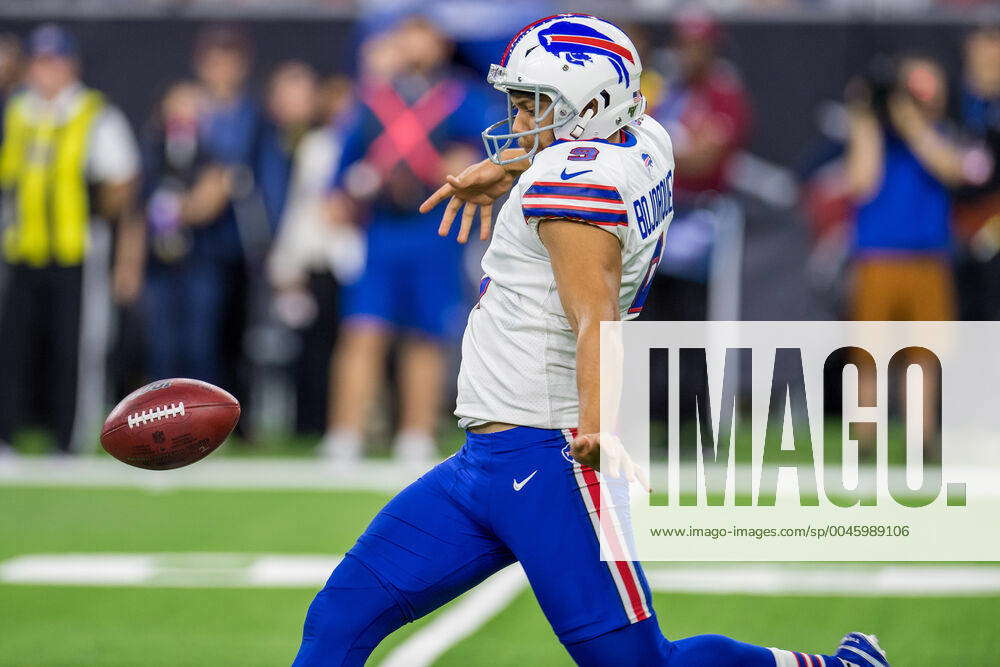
x=476, y=188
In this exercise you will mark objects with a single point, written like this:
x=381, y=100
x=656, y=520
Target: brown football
x=169, y=424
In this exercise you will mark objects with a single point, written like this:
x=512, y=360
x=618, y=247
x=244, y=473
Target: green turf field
x=117, y=625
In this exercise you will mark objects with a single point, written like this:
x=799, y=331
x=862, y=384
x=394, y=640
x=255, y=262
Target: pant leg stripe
x=622, y=571
x=618, y=548
x=625, y=568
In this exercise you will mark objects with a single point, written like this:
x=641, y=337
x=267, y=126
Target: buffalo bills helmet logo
x=580, y=42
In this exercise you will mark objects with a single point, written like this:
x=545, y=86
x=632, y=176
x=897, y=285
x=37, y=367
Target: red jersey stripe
x=570, y=207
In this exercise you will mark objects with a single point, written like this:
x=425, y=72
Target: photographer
x=900, y=168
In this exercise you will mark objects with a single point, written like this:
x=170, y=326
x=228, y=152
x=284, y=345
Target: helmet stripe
x=594, y=41
x=519, y=35
x=525, y=29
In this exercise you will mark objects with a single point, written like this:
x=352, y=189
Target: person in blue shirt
x=239, y=235
x=417, y=121
x=291, y=112
x=900, y=170
x=230, y=126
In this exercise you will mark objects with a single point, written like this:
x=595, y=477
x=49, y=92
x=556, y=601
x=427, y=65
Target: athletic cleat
x=860, y=650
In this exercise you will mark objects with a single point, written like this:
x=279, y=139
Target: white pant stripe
x=616, y=575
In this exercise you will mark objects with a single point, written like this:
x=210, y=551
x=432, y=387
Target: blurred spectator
x=291, y=112
x=705, y=109
x=981, y=89
x=701, y=102
x=184, y=192
x=417, y=122
x=221, y=248
x=900, y=166
x=68, y=162
x=977, y=210
x=11, y=68
x=312, y=256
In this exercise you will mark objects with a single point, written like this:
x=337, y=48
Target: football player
x=576, y=243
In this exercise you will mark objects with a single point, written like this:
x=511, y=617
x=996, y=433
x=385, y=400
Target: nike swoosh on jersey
x=566, y=176
x=520, y=485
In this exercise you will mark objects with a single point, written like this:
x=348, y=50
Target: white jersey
x=519, y=352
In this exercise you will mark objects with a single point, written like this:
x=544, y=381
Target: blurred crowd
x=724, y=6
x=904, y=196
x=268, y=241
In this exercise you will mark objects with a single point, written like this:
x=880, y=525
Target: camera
x=876, y=86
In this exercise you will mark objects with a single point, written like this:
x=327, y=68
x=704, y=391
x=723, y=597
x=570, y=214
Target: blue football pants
x=511, y=496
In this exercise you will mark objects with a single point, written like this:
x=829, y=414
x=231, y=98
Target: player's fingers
x=643, y=478
x=485, y=221
x=439, y=196
x=638, y=475
x=614, y=465
x=612, y=457
x=628, y=468
x=468, y=215
x=448, y=217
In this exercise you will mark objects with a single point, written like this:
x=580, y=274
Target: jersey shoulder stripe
x=575, y=190
x=599, y=216
x=589, y=197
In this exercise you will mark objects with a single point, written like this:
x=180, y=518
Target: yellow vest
x=43, y=165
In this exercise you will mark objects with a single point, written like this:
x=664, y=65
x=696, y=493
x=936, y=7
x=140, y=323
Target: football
x=169, y=424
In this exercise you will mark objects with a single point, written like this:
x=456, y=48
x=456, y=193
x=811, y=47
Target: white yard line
x=174, y=570
x=460, y=620
x=381, y=476
x=220, y=473
x=250, y=570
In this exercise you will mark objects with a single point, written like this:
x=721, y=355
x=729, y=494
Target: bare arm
x=116, y=202
x=130, y=259
x=938, y=155
x=587, y=264
x=208, y=197
x=863, y=162
x=114, y=199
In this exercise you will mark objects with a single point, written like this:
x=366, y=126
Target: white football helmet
x=585, y=65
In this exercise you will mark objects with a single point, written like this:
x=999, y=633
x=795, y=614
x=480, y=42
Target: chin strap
x=583, y=122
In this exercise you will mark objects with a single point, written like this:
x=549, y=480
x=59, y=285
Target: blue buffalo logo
x=580, y=42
